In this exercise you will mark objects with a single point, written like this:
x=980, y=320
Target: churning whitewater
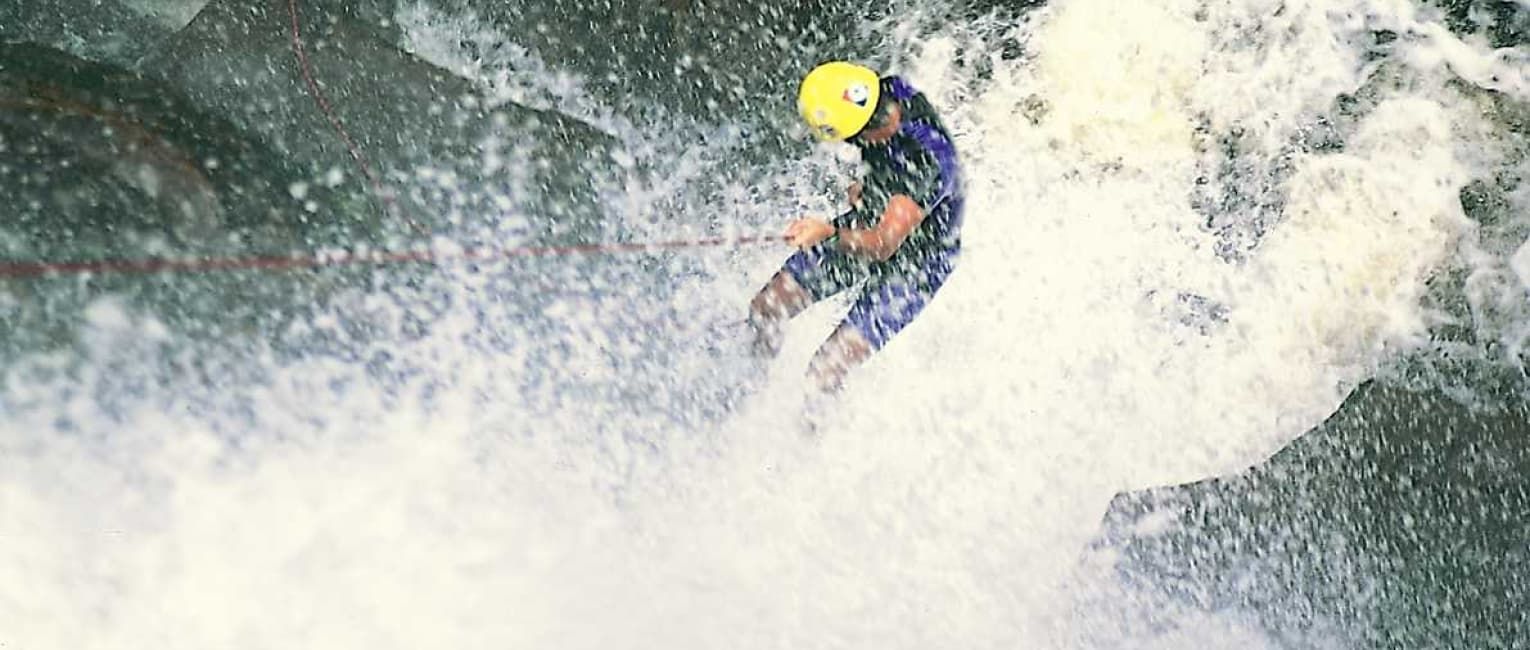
x=1180, y=253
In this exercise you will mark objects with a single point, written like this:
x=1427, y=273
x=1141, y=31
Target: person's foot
x=767, y=339
x=762, y=348
x=816, y=405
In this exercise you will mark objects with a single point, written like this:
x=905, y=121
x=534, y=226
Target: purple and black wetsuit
x=920, y=162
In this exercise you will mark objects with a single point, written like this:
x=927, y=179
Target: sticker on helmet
x=858, y=94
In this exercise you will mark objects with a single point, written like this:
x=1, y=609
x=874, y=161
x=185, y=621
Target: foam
x=494, y=490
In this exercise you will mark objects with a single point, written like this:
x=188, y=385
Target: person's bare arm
x=900, y=218
x=878, y=243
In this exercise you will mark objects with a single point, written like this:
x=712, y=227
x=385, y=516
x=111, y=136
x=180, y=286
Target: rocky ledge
x=1403, y=521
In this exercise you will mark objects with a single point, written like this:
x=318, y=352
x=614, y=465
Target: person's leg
x=806, y=278
x=781, y=299
x=884, y=308
x=845, y=349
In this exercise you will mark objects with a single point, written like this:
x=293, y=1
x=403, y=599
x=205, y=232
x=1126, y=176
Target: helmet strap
x=879, y=117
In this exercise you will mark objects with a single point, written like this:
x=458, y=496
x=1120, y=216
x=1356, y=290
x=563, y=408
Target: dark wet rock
x=1401, y=521
x=1240, y=187
x=1503, y=23
x=98, y=162
x=98, y=157
x=1487, y=201
x=1478, y=304
x=420, y=130
x=109, y=32
x=123, y=164
x=1239, y=191
x=731, y=59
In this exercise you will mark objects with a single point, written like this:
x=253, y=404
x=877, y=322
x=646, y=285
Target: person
x=900, y=239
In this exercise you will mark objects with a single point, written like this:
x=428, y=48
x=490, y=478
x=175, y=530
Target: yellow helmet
x=837, y=99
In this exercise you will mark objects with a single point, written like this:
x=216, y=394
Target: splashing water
x=533, y=456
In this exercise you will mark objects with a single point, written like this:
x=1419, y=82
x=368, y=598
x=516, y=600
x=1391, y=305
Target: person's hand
x=806, y=233
x=854, y=194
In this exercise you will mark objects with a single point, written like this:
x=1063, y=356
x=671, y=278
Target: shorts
x=893, y=293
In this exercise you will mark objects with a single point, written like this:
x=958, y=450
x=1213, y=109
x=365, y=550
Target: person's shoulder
x=899, y=87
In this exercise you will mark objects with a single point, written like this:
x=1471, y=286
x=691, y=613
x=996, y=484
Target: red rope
x=305, y=68
x=19, y=270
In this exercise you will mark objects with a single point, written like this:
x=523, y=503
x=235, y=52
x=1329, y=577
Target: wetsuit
x=920, y=162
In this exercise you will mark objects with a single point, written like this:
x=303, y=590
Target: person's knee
x=825, y=374
x=766, y=312
x=845, y=350
x=828, y=372
x=764, y=307
x=779, y=300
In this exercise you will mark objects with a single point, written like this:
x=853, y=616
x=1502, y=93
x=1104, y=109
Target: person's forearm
x=869, y=243
x=879, y=242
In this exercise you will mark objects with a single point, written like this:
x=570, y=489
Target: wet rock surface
x=103, y=160
x=1401, y=521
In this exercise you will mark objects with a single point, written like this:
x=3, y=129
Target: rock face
x=1401, y=521
x=113, y=32
x=402, y=114
x=115, y=157
x=207, y=139
x=727, y=56
x=98, y=162
x=719, y=59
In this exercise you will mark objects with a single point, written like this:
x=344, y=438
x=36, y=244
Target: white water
x=944, y=506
